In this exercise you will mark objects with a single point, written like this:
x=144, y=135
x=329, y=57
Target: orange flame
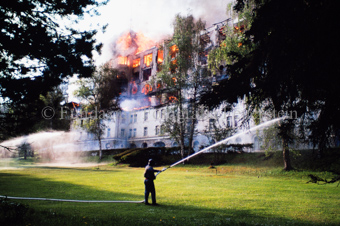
x=136, y=62
x=174, y=80
x=125, y=41
x=122, y=60
x=134, y=41
x=148, y=60
x=146, y=89
x=160, y=56
x=143, y=42
x=172, y=99
x=173, y=51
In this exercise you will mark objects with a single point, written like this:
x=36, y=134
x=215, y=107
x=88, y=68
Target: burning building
x=144, y=102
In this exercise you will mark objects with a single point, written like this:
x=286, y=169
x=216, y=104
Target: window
x=146, y=74
x=157, y=130
x=211, y=124
x=235, y=120
x=146, y=116
x=123, y=118
x=134, y=132
x=122, y=133
x=229, y=121
x=135, y=118
x=108, y=132
x=145, y=131
x=157, y=113
x=131, y=118
x=162, y=113
x=160, y=56
x=148, y=60
x=162, y=129
x=130, y=132
x=136, y=62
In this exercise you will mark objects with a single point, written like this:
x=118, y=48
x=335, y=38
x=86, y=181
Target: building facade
x=145, y=105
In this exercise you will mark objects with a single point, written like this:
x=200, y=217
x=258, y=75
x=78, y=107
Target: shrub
x=12, y=213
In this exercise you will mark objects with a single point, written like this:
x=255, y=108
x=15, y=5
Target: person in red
x=149, y=175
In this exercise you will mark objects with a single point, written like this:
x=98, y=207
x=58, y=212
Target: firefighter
x=149, y=175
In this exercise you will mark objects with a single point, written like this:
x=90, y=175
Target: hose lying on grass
x=70, y=200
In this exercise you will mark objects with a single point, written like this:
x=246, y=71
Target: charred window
x=146, y=74
x=135, y=76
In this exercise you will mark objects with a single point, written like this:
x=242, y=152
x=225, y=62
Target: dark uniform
x=149, y=175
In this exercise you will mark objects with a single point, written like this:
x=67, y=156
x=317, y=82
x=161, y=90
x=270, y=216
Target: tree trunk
x=100, y=148
x=193, y=121
x=286, y=158
x=181, y=124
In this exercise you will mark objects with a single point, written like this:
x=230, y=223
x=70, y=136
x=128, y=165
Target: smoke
x=129, y=104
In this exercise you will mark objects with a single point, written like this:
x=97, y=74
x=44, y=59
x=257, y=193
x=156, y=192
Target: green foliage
x=276, y=74
x=99, y=94
x=182, y=76
x=39, y=50
x=139, y=157
x=56, y=100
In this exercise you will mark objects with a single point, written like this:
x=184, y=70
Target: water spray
x=223, y=141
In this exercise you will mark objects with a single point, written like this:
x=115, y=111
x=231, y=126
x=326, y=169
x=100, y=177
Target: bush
x=139, y=157
x=12, y=213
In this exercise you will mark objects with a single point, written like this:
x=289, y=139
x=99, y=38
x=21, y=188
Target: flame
x=148, y=60
x=143, y=42
x=146, y=89
x=122, y=60
x=136, y=62
x=172, y=99
x=75, y=105
x=174, y=80
x=125, y=41
x=133, y=43
x=173, y=51
x=160, y=56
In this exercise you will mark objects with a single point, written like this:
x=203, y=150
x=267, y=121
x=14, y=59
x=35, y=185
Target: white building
x=145, y=106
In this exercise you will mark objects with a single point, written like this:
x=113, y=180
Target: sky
x=153, y=18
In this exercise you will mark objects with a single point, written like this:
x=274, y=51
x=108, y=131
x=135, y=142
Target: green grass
x=190, y=195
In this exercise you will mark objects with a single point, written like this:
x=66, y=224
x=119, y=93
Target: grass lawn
x=190, y=195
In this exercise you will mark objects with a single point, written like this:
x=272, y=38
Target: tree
x=184, y=79
x=56, y=100
x=100, y=93
x=218, y=130
x=38, y=51
x=288, y=66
